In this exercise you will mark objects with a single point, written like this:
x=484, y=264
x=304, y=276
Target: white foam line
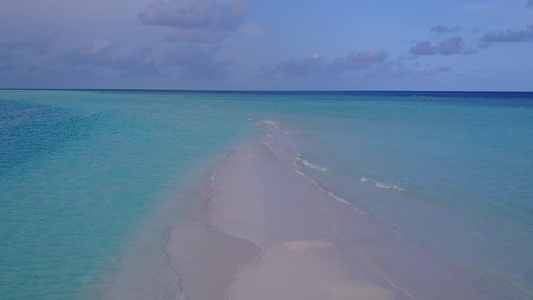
x=339, y=199
x=320, y=188
x=314, y=166
x=273, y=123
x=270, y=122
x=310, y=164
x=395, y=285
x=382, y=185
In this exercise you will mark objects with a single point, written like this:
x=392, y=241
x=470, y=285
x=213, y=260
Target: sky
x=440, y=45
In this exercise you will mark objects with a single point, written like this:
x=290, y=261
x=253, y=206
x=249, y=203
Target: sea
x=92, y=181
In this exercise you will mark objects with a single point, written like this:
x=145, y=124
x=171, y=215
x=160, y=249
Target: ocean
x=91, y=182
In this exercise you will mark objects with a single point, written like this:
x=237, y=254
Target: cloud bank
x=107, y=54
x=33, y=43
x=187, y=63
x=315, y=65
x=440, y=29
x=205, y=21
x=509, y=36
x=451, y=46
x=15, y=54
x=194, y=63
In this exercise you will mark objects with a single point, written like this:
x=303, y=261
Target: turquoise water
x=81, y=170
x=82, y=173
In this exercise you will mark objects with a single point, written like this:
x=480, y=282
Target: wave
x=382, y=185
x=312, y=165
x=273, y=123
x=324, y=190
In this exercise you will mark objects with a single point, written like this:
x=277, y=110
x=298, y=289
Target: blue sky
x=267, y=45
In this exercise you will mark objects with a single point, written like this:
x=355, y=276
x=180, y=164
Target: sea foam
x=382, y=185
x=312, y=165
x=273, y=123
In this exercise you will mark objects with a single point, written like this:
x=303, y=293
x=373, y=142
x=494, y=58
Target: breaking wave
x=382, y=185
x=312, y=165
x=273, y=123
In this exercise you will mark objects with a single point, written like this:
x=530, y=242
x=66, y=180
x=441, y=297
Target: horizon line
x=263, y=91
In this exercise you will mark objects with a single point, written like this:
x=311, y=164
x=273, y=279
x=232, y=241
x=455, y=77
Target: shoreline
x=259, y=227
x=262, y=198
x=309, y=243
x=130, y=215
